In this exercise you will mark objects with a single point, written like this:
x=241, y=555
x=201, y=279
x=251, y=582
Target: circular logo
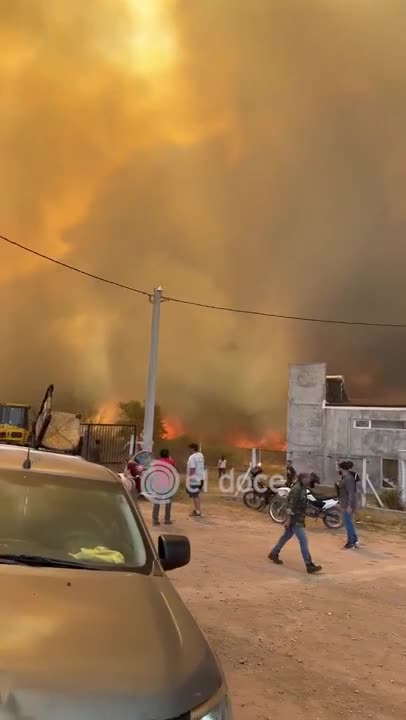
x=160, y=482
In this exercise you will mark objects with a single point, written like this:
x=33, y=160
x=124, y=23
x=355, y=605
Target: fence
x=107, y=444
x=383, y=480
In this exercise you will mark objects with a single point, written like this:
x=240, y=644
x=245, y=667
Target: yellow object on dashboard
x=99, y=553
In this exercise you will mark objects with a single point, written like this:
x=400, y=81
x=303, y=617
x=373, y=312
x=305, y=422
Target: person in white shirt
x=195, y=477
x=222, y=466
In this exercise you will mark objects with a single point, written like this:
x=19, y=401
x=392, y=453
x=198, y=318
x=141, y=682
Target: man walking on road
x=347, y=488
x=295, y=525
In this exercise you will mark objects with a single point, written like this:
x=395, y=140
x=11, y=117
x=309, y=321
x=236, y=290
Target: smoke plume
x=241, y=153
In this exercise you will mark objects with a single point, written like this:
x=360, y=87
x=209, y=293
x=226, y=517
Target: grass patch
x=391, y=499
x=382, y=521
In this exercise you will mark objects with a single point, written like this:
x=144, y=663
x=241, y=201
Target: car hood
x=82, y=644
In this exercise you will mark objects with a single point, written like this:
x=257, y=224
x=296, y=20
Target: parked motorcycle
x=259, y=495
x=326, y=508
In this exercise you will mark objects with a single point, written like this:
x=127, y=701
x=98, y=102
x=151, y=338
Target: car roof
x=12, y=457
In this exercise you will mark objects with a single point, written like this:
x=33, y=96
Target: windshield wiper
x=42, y=561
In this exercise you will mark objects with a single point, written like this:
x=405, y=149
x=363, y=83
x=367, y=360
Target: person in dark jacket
x=295, y=524
x=348, y=501
x=353, y=472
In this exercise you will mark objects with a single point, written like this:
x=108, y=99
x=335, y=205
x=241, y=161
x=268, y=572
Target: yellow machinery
x=50, y=430
x=15, y=423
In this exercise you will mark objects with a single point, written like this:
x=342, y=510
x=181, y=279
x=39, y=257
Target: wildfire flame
x=173, y=428
x=270, y=440
x=107, y=413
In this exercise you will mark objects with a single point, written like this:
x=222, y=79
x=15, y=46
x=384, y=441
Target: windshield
x=14, y=416
x=86, y=521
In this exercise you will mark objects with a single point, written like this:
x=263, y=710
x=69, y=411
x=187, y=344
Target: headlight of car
x=217, y=708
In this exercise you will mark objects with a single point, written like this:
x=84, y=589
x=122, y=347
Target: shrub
x=391, y=499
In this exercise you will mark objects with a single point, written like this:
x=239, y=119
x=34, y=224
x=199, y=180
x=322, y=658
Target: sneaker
x=312, y=568
x=275, y=559
x=348, y=546
x=195, y=514
x=156, y=523
x=356, y=546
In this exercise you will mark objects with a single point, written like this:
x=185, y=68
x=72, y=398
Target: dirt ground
x=292, y=645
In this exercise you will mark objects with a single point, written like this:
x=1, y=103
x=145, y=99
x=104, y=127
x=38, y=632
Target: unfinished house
x=325, y=426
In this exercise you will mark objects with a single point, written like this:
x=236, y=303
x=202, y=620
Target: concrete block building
x=324, y=426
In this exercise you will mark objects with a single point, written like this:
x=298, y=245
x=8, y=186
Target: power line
x=207, y=306
x=278, y=316
x=72, y=267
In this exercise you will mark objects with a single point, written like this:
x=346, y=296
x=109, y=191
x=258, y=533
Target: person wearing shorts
x=195, y=478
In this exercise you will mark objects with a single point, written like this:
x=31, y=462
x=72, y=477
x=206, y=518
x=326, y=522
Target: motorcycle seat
x=327, y=497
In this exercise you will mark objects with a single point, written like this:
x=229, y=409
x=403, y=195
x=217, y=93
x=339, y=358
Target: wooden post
x=364, y=483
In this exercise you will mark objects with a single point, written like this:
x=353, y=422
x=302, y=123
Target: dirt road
x=292, y=645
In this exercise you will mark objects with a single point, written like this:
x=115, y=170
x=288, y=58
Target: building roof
x=365, y=406
x=12, y=457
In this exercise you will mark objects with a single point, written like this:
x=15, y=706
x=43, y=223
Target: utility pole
x=149, y=412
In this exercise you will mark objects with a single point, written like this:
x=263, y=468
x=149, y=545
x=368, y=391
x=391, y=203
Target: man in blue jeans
x=347, y=488
x=295, y=524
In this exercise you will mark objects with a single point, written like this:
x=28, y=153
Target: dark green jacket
x=297, y=501
x=348, y=492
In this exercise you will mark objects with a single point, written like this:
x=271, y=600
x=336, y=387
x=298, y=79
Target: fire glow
x=270, y=440
x=107, y=413
x=173, y=428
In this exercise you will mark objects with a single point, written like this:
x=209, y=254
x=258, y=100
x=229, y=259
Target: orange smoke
x=107, y=413
x=173, y=428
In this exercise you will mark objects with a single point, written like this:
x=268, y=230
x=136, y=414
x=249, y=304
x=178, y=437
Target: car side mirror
x=173, y=551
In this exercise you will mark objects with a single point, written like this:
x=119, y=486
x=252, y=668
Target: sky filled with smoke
x=240, y=153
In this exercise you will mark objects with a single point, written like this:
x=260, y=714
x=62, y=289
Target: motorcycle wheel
x=253, y=500
x=278, y=509
x=333, y=519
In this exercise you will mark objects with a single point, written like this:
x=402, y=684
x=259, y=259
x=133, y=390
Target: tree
x=133, y=412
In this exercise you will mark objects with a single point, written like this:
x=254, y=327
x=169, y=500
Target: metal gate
x=107, y=444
